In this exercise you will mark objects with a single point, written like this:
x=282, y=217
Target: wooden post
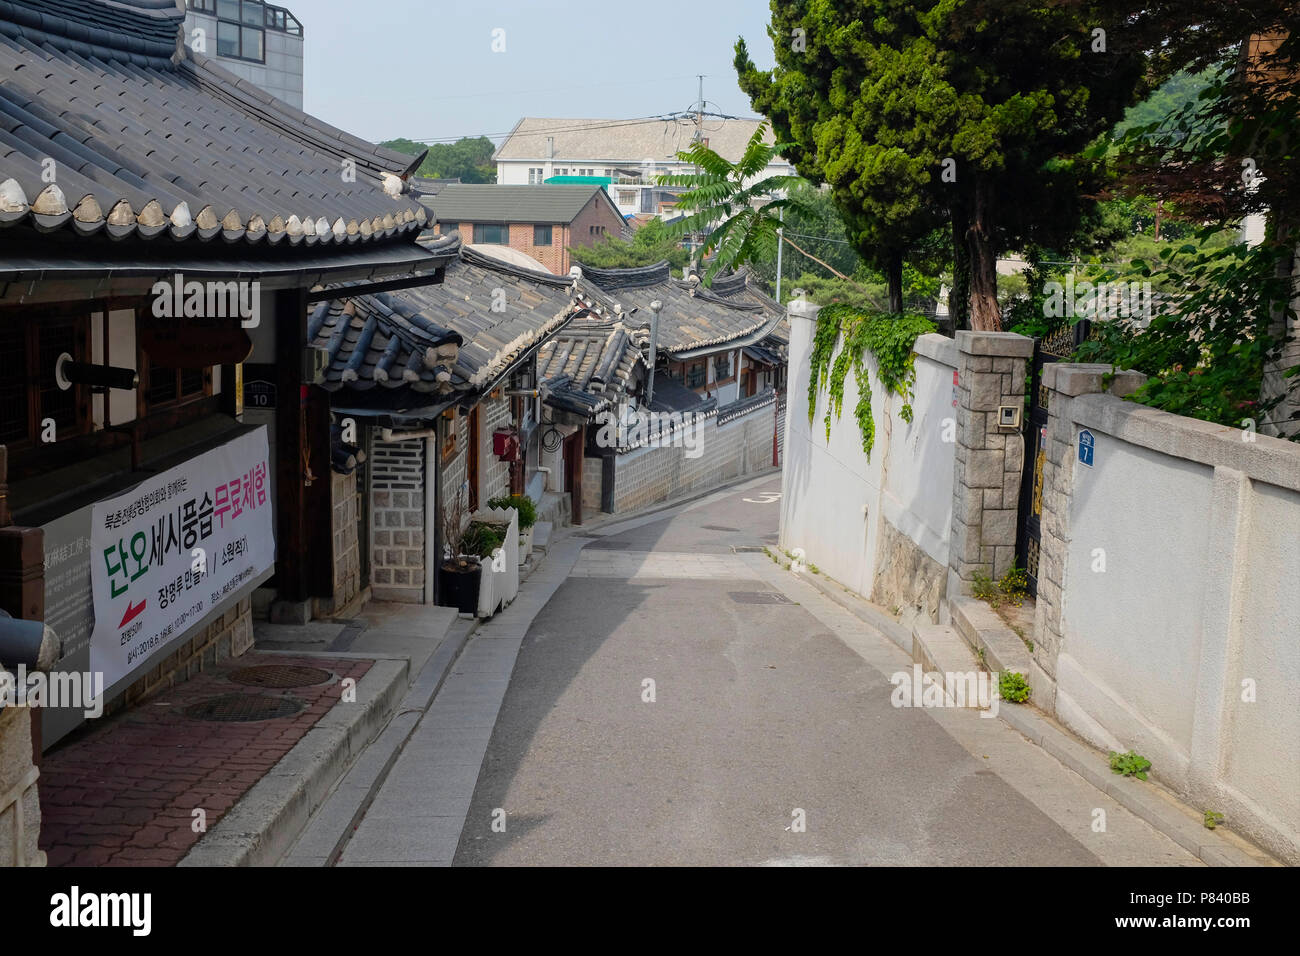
x=22, y=574
x=292, y=565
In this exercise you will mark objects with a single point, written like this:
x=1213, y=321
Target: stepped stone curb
x=268, y=818
x=1141, y=798
x=981, y=627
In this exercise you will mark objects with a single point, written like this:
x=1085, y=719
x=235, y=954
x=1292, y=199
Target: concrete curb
x=322, y=840
x=1145, y=799
x=859, y=608
x=265, y=821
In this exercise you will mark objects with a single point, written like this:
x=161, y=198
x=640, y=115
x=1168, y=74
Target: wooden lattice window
x=30, y=398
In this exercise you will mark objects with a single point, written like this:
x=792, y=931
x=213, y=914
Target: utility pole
x=780, y=245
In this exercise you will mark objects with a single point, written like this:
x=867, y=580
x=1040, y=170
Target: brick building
x=542, y=221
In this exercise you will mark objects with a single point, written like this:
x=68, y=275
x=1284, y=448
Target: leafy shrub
x=1129, y=764
x=482, y=539
x=1013, y=687
x=521, y=503
x=1212, y=819
x=983, y=588
x=1015, y=586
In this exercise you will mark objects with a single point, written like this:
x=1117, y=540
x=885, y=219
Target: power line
x=684, y=117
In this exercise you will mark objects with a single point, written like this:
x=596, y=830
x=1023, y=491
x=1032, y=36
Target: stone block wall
x=991, y=370
x=397, y=525
x=646, y=476
x=347, y=553
x=20, y=807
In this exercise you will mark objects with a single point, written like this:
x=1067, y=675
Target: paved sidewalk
x=126, y=792
x=416, y=817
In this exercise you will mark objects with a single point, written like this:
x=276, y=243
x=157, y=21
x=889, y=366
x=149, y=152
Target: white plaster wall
x=1133, y=632
x=827, y=484
x=1262, y=740
x=1201, y=541
x=917, y=497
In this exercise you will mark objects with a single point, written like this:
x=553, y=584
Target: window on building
x=162, y=386
x=564, y=171
x=240, y=26
x=627, y=197
x=695, y=375
x=494, y=233
x=722, y=366
x=30, y=396
x=541, y=235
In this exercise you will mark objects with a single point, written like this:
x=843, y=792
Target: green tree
x=733, y=204
x=653, y=242
x=960, y=111
x=469, y=159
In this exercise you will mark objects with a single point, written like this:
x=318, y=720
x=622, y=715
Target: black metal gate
x=1029, y=532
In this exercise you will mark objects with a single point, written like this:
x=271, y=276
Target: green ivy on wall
x=889, y=338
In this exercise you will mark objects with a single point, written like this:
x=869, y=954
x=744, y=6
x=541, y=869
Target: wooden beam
x=292, y=565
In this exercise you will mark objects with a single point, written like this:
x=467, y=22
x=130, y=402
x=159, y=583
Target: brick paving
x=125, y=793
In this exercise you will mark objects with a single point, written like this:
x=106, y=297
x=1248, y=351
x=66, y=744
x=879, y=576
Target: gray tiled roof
x=472, y=202
x=591, y=364
x=457, y=336
x=693, y=317
x=148, y=137
x=627, y=142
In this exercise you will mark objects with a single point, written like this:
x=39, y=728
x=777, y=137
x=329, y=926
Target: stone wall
x=347, y=554
x=494, y=474
x=397, y=520
x=742, y=446
x=20, y=807
x=1166, y=620
x=989, y=459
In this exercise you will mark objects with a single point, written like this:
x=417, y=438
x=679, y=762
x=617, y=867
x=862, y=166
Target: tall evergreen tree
x=973, y=112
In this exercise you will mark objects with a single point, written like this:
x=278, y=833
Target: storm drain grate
x=718, y=527
x=244, y=707
x=607, y=544
x=280, y=676
x=759, y=597
x=747, y=549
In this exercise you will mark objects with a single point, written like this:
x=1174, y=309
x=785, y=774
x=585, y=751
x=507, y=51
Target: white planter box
x=499, y=582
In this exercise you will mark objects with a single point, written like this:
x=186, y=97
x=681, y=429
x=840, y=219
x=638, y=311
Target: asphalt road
x=769, y=739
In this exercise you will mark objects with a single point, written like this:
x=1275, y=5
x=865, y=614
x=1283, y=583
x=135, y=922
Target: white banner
x=176, y=547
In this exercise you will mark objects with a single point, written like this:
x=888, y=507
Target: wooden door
x=573, y=473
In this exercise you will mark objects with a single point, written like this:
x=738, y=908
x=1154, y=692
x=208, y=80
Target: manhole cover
x=279, y=676
x=759, y=597
x=244, y=707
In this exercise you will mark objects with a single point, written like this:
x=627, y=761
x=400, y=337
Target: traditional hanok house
x=691, y=426
x=440, y=384
x=159, y=218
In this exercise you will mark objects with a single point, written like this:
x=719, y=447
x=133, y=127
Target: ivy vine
x=889, y=338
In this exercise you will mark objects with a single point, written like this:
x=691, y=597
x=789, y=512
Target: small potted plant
x=527, y=518
x=460, y=572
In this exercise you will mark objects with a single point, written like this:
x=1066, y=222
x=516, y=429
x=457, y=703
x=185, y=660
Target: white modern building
x=626, y=154
x=257, y=41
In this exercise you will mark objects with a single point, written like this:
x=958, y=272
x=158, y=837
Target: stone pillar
x=989, y=460
x=802, y=316
x=1064, y=382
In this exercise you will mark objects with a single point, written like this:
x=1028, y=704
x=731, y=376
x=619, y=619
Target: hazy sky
x=425, y=69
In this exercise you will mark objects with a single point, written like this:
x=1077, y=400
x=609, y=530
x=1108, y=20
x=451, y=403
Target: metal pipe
x=30, y=643
x=387, y=434
x=655, y=306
